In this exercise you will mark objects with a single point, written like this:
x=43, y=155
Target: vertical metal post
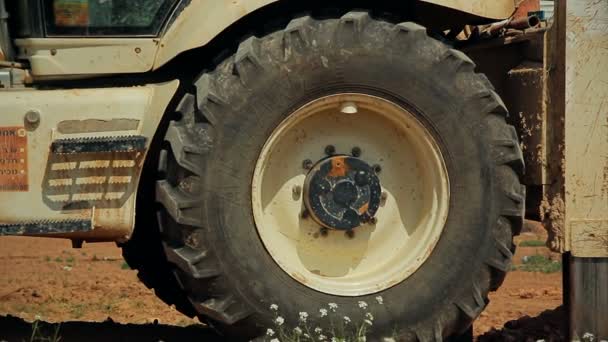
x=588, y=298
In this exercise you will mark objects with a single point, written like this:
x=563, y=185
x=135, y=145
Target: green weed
x=40, y=334
x=540, y=263
x=532, y=243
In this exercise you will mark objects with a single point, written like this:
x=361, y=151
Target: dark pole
x=588, y=298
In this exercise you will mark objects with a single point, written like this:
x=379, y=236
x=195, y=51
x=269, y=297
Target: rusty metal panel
x=88, y=172
x=586, y=145
x=13, y=159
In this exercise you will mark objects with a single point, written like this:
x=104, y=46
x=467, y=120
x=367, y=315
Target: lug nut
x=305, y=214
x=324, y=231
x=350, y=233
x=356, y=151
x=377, y=168
x=307, y=164
x=330, y=150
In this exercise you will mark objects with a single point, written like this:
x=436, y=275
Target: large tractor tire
x=338, y=161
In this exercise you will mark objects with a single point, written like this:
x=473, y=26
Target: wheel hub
x=342, y=192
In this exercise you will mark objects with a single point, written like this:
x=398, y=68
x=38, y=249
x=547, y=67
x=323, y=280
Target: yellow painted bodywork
x=76, y=113
x=197, y=25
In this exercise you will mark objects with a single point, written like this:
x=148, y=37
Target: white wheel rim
x=409, y=223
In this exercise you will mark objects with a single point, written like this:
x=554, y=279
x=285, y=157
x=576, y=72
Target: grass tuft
x=532, y=243
x=40, y=334
x=540, y=263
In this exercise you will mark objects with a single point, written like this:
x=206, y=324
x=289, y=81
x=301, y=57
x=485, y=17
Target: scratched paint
x=586, y=122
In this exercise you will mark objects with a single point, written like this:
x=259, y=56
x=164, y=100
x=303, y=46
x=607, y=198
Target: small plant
x=540, y=263
x=532, y=243
x=94, y=258
x=342, y=328
x=39, y=335
x=125, y=266
x=58, y=259
x=69, y=259
x=47, y=258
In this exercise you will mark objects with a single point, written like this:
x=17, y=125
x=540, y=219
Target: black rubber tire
x=206, y=219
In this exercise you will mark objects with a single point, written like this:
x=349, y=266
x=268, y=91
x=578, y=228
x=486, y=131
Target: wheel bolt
x=307, y=164
x=305, y=214
x=350, y=233
x=330, y=150
x=377, y=168
x=324, y=231
x=356, y=151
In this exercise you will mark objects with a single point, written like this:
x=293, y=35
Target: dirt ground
x=48, y=280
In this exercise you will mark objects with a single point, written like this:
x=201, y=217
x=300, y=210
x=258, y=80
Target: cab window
x=106, y=17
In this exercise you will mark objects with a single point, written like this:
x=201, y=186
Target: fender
x=201, y=21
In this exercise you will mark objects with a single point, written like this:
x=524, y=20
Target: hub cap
x=350, y=194
x=342, y=192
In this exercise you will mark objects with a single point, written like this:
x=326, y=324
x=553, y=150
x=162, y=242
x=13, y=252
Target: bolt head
x=377, y=168
x=356, y=151
x=307, y=164
x=32, y=117
x=330, y=150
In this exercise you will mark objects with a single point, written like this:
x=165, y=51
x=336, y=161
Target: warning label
x=13, y=159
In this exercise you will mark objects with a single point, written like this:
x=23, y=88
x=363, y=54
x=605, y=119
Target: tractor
x=254, y=154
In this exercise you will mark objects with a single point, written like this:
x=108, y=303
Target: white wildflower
x=303, y=316
x=333, y=306
x=297, y=330
x=279, y=320
x=588, y=337
x=274, y=307
x=275, y=340
x=322, y=338
x=368, y=322
x=386, y=339
x=318, y=330
x=306, y=336
x=37, y=317
x=379, y=299
x=361, y=339
x=362, y=305
x=323, y=312
x=270, y=332
x=333, y=339
x=369, y=316
x=346, y=319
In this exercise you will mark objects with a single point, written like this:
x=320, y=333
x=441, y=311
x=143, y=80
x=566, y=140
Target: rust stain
x=338, y=167
x=363, y=208
x=297, y=276
x=13, y=159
